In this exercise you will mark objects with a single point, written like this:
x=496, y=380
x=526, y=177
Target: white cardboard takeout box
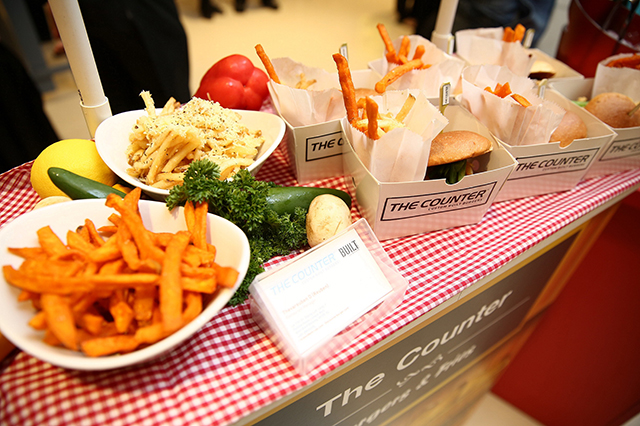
x=546, y=167
x=563, y=71
x=398, y=209
x=314, y=152
x=622, y=152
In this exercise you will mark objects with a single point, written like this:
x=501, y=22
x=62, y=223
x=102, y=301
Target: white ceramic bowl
x=112, y=140
x=233, y=250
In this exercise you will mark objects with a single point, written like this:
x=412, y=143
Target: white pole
x=95, y=105
x=442, y=36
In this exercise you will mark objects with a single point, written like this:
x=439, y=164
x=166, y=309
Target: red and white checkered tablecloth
x=229, y=368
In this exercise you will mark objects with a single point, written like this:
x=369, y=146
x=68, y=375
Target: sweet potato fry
x=271, y=71
x=199, y=233
x=508, y=35
x=391, y=51
x=396, y=73
x=521, y=100
x=193, y=306
x=142, y=237
x=50, y=242
x=405, y=46
x=96, y=239
x=144, y=299
x=170, y=288
x=372, y=118
x=518, y=33
x=101, y=346
x=419, y=52
x=226, y=276
x=346, y=84
x=200, y=285
x=60, y=319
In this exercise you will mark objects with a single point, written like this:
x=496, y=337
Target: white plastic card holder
x=317, y=303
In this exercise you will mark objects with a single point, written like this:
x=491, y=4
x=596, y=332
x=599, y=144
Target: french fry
x=391, y=54
x=521, y=100
x=199, y=233
x=405, y=46
x=200, y=285
x=406, y=108
x=96, y=239
x=396, y=73
x=50, y=242
x=518, y=33
x=226, y=276
x=193, y=306
x=372, y=118
x=419, y=52
x=508, y=35
x=60, y=319
x=271, y=71
x=346, y=84
x=170, y=288
x=101, y=346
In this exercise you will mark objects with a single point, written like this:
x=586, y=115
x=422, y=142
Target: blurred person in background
x=25, y=129
x=138, y=45
x=482, y=14
x=241, y=5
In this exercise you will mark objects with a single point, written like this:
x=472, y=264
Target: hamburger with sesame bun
x=450, y=152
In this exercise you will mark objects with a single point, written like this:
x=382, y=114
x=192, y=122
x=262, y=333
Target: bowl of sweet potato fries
x=104, y=284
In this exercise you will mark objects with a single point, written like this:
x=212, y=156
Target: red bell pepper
x=234, y=83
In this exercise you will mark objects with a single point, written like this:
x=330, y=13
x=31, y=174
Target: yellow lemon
x=79, y=156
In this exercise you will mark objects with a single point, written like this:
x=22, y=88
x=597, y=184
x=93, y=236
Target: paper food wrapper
x=444, y=68
x=320, y=103
x=402, y=154
x=484, y=46
x=619, y=80
x=505, y=118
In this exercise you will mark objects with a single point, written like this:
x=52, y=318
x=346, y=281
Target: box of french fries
x=623, y=152
x=435, y=68
x=388, y=174
x=495, y=46
x=524, y=119
x=310, y=102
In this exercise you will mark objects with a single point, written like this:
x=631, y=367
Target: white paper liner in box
x=484, y=46
x=399, y=209
x=320, y=103
x=402, y=154
x=622, y=152
x=547, y=167
x=620, y=80
x=314, y=135
x=444, y=68
x=288, y=328
x=504, y=117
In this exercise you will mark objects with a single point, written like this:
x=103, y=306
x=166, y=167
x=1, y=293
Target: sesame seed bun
x=571, y=127
x=613, y=108
x=449, y=147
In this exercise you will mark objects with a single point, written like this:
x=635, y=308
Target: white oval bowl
x=112, y=140
x=233, y=251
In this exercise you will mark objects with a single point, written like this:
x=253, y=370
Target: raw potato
x=54, y=199
x=327, y=216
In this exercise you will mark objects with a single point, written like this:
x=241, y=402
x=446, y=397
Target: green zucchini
x=79, y=187
x=284, y=199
